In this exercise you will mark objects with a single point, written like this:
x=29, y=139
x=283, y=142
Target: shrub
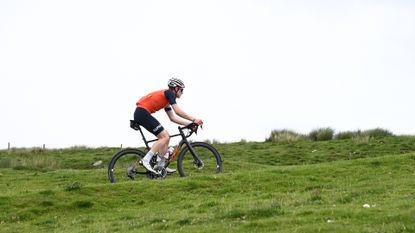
x=215, y=141
x=370, y=133
x=243, y=141
x=207, y=141
x=347, y=135
x=322, y=134
x=377, y=133
x=284, y=135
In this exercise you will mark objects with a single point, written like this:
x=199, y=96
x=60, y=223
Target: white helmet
x=175, y=82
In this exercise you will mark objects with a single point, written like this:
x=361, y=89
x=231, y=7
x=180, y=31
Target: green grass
x=303, y=186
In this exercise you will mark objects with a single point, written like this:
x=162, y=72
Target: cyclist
x=152, y=103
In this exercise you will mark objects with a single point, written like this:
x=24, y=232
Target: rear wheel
x=210, y=161
x=125, y=165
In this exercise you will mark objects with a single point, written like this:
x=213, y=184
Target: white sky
x=71, y=71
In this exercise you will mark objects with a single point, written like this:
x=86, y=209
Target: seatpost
x=144, y=138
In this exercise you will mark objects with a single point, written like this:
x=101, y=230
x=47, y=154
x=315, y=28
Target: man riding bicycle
x=152, y=103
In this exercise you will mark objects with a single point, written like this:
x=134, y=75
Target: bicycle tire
x=122, y=161
x=207, y=153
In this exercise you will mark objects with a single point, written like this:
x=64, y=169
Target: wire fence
x=9, y=146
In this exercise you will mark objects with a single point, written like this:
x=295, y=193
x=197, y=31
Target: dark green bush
x=322, y=134
x=347, y=135
x=377, y=133
x=370, y=133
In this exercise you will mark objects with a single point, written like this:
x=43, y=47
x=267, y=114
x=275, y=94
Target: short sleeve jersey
x=157, y=100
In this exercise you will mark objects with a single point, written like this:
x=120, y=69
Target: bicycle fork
x=198, y=163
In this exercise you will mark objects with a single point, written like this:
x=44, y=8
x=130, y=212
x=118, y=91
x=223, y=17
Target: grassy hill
x=303, y=186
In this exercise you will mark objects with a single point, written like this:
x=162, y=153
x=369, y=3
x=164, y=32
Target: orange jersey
x=157, y=100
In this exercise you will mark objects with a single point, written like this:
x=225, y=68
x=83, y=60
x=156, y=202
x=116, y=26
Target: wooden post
x=121, y=146
x=44, y=146
x=8, y=146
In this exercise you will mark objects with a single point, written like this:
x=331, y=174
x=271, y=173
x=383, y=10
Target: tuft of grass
x=284, y=136
x=361, y=139
x=322, y=134
x=183, y=222
x=73, y=186
x=254, y=212
x=83, y=204
x=46, y=203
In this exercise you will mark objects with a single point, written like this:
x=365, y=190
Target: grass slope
x=299, y=187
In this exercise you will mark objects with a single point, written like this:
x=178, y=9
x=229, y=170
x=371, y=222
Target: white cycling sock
x=148, y=156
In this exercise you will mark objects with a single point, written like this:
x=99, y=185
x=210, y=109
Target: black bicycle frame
x=183, y=141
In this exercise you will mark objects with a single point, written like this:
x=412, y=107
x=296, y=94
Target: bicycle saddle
x=134, y=125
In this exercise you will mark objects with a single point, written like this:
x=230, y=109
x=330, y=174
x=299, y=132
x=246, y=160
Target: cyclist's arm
x=184, y=115
x=181, y=113
x=176, y=119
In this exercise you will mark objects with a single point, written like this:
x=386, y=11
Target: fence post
x=44, y=146
x=121, y=146
x=8, y=146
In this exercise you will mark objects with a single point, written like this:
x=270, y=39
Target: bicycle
x=194, y=158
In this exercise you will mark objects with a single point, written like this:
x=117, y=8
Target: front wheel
x=125, y=165
x=205, y=160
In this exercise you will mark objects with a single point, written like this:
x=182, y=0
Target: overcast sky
x=71, y=71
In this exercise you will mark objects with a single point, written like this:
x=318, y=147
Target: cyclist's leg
x=146, y=120
x=162, y=142
x=151, y=124
x=161, y=146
